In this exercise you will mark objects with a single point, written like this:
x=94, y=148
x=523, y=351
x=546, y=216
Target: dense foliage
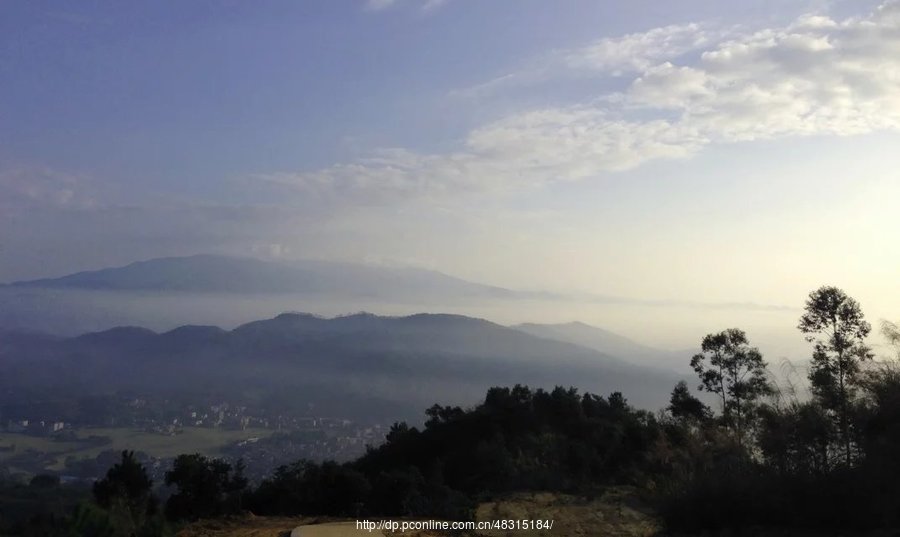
x=823, y=463
x=516, y=439
x=205, y=487
x=767, y=458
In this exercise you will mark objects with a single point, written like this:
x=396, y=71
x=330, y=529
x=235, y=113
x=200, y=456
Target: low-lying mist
x=673, y=327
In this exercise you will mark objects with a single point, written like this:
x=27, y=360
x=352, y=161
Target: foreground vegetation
x=766, y=458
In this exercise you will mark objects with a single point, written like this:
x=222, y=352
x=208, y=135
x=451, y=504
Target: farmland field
x=190, y=440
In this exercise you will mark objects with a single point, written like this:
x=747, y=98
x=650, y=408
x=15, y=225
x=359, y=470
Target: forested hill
x=356, y=365
x=761, y=462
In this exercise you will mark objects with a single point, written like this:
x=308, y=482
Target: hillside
x=363, y=364
x=608, y=342
x=227, y=274
x=167, y=292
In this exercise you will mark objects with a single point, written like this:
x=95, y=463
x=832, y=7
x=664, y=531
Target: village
x=79, y=449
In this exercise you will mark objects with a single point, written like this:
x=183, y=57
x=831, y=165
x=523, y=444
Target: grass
x=191, y=440
x=25, y=442
x=617, y=512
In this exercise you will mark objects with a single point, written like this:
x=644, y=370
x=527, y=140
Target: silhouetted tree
x=730, y=368
x=206, y=487
x=398, y=430
x=891, y=333
x=439, y=414
x=236, y=487
x=44, y=481
x=128, y=482
x=129, y=508
x=88, y=520
x=684, y=405
x=795, y=439
x=835, y=323
x=306, y=487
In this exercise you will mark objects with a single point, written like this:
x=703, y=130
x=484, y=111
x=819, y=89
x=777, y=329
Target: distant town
x=81, y=446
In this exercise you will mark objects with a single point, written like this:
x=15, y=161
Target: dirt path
x=617, y=513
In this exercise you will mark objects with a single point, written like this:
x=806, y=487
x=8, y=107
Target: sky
x=693, y=151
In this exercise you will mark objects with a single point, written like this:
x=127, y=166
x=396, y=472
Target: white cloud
x=378, y=5
x=608, y=56
x=815, y=76
x=270, y=250
x=381, y=5
x=639, y=51
x=432, y=4
x=525, y=150
x=29, y=187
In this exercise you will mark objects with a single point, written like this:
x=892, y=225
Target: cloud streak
x=605, y=57
x=641, y=50
x=814, y=76
x=25, y=188
x=383, y=5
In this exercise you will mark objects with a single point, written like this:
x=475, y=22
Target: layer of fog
x=672, y=327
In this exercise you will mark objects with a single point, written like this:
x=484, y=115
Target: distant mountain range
x=610, y=343
x=167, y=292
x=357, y=365
x=226, y=274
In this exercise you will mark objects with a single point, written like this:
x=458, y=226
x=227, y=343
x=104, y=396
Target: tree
x=44, y=481
x=206, y=487
x=683, y=404
x=730, y=368
x=891, y=333
x=126, y=482
x=129, y=508
x=306, y=487
x=794, y=439
x=236, y=487
x=835, y=323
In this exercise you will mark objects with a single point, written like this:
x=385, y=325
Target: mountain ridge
x=237, y=274
x=361, y=364
x=602, y=340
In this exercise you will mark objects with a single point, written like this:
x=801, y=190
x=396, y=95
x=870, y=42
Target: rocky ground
x=247, y=526
x=617, y=513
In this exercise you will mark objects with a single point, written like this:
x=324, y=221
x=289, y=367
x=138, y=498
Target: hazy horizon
x=691, y=160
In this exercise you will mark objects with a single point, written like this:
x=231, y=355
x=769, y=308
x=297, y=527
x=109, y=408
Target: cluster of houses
x=339, y=440
x=237, y=417
x=283, y=438
x=34, y=427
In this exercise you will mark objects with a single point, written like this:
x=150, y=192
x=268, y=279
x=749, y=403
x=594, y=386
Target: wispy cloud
x=608, y=56
x=638, y=51
x=433, y=4
x=814, y=76
x=521, y=151
x=24, y=188
x=381, y=5
x=378, y=5
x=734, y=306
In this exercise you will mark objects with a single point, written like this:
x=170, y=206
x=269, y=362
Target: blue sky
x=169, y=93
x=662, y=150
